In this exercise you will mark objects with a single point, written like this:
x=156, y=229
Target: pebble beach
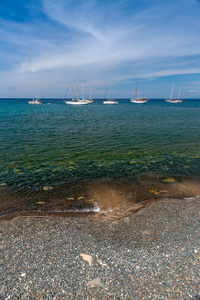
x=150, y=254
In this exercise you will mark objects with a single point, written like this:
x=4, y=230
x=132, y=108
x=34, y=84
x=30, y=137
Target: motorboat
x=35, y=101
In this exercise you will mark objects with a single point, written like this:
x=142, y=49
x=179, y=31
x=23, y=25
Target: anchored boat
x=139, y=100
x=171, y=100
x=35, y=101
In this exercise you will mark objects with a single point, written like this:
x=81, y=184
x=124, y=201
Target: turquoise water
x=58, y=144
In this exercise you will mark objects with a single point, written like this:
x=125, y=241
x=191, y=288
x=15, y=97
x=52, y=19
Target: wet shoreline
x=97, y=198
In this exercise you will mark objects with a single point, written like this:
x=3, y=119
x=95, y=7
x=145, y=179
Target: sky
x=45, y=44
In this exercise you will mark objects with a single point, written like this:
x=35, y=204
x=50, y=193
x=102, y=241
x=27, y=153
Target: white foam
x=95, y=208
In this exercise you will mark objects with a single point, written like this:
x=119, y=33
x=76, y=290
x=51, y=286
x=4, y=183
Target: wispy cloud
x=99, y=41
x=193, y=91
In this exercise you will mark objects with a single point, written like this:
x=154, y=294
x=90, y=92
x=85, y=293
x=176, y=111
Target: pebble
x=47, y=188
x=95, y=282
x=87, y=258
x=149, y=257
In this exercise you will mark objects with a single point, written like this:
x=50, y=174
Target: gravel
x=152, y=254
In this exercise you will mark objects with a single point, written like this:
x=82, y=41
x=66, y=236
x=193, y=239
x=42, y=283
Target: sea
x=60, y=158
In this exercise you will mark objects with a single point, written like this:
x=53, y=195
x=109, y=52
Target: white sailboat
x=109, y=101
x=171, y=100
x=35, y=101
x=139, y=100
x=76, y=101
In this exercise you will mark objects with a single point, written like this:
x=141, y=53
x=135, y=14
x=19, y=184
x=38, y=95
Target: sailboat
x=35, y=101
x=76, y=101
x=139, y=100
x=171, y=100
x=109, y=101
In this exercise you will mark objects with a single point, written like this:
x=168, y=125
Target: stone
x=95, y=282
x=87, y=258
x=169, y=180
x=47, y=188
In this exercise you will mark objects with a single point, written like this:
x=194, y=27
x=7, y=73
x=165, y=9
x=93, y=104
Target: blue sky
x=44, y=44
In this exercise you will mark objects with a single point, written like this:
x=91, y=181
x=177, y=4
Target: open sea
x=49, y=153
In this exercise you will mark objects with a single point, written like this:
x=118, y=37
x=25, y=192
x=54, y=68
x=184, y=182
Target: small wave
x=192, y=198
x=95, y=208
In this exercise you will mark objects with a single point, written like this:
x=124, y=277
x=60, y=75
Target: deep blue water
x=58, y=143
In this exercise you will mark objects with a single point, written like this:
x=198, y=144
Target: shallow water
x=59, y=145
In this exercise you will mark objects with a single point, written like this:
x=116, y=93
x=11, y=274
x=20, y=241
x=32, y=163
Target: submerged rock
x=169, y=180
x=47, y=188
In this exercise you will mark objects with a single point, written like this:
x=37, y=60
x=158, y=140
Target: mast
x=82, y=91
x=172, y=91
x=72, y=91
x=90, y=93
x=78, y=91
x=179, y=94
x=136, y=92
x=108, y=92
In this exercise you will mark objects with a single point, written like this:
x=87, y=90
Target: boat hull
x=76, y=102
x=139, y=101
x=173, y=101
x=110, y=102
